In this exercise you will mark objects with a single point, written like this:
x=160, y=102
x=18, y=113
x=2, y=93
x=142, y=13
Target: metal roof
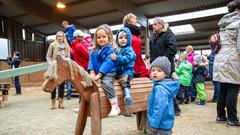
x=43, y=16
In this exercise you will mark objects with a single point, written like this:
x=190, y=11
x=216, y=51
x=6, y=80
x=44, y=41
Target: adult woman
x=59, y=46
x=130, y=21
x=226, y=65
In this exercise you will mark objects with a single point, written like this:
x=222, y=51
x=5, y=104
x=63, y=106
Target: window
x=23, y=34
x=4, y=48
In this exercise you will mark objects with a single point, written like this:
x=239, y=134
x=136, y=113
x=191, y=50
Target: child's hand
x=97, y=77
x=113, y=56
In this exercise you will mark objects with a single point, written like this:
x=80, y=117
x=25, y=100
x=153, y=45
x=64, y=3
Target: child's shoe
x=127, y=97
x=201, y=102
x=114, y=111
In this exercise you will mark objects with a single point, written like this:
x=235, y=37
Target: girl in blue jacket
x=102, y=67
x=125, y=59
x=160, y=103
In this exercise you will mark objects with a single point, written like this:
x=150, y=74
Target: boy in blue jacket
x=160, y=103
x=125, y=59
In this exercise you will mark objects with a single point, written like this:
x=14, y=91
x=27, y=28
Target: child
x=184, y=72
x=160, y=103
x=125, y=59
x=102, y=67
x=199, y=76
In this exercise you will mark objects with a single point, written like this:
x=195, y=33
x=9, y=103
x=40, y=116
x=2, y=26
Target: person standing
x=69, y=30
x=226, y=65
x=58, y=47
x=15, y=61
x=130, y=21
x=163, y=43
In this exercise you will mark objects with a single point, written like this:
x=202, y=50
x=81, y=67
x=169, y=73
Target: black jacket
x=14, y=61
x=164, y=44
x=199, y=74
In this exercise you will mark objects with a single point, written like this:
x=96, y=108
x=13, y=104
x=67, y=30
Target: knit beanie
x=163, y=63
x=78, y=33
x=198, y=59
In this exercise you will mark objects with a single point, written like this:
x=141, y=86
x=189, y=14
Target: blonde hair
x=108, y=31
x=128, y=17
x=57, y=44
x=189, y=47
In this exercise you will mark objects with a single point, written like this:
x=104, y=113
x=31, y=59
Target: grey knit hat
x=163, y=63
x=198, y=59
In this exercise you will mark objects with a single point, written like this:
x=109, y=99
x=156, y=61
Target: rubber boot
x=115, y=110
x=53, y=104
x=60, y=105
x=127, y=97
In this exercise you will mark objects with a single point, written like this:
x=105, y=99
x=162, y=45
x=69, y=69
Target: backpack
x=214, y=41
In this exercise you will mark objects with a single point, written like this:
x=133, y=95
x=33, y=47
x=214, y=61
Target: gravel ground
x=29, y=114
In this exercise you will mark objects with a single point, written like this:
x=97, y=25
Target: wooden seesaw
x=94, y=102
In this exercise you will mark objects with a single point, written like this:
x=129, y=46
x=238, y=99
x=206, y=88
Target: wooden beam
x=96, y=14
x=74, y=3
x=38, y=25
x=19, y=15
x=126, y=6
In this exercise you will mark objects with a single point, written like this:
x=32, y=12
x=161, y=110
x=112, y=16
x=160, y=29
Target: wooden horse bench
x=94, y=102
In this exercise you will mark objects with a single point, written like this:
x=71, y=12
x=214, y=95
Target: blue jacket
x=100, y=60
x=69, y=33
x=160, y=104
x=125, y=55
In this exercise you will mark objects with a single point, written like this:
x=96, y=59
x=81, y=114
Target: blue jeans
x=17, y=84
x=216, y=89
x=69, y=88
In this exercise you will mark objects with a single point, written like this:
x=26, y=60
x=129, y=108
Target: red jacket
x=139, y=67
x=80, y=53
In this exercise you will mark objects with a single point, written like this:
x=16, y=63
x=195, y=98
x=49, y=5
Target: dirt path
x=29, y=114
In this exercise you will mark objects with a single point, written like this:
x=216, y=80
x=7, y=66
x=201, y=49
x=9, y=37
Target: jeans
x=193, y=91
x=216, y=89
x=228, y=96
x=17, y=85
x=69, y=88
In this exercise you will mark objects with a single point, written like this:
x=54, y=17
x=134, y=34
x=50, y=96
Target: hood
x=229, y=18
x=171, y=85
x=187, y=66
x=129, y=36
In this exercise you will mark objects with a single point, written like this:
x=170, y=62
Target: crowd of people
x=173, y=85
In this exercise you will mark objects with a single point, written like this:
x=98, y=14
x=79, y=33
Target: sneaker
x=76, y=110
x=193, y=99
x=233, y=123
x=128, y=114
x=212, y=101
x=221, y=119
x=201, y=102
x=186, y=102
x=114, y=112
x=68, y=97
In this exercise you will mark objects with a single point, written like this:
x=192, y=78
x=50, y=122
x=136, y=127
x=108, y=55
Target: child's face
x=182, y=58
x=102, y=37
x=79, y=38
x=157, y=74
x=122, y=40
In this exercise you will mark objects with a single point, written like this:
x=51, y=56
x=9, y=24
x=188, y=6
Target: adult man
x=163, y=43
x=69, y=30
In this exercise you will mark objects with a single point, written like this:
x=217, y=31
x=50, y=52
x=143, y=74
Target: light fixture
x=60, y=4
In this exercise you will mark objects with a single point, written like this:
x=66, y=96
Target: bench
x=4, y=88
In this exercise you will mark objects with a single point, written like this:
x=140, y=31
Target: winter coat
x=14, y=62
x=80, y=53
x=125, y=55
x=53, y=51
x=199, y=74
x=227, y=60
x=190, y=56
x=164, y=44
x=184, y=72
x=139, y=66
x=69, y=33
x=160, y=113
x=100, y=60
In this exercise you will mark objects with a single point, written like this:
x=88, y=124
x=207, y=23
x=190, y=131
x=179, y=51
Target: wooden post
x=82, y=117
x=96, y=121
x=139, y=118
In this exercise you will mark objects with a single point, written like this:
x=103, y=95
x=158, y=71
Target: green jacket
x=184, y=72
